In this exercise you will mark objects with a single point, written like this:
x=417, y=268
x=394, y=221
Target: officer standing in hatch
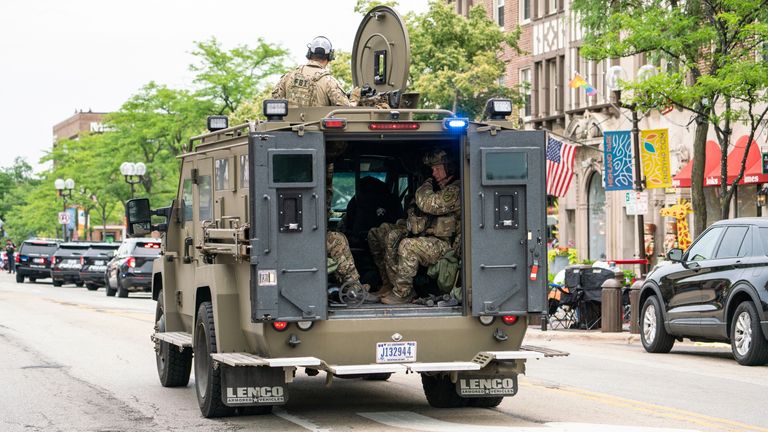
x=312, y=84
x=434, y=225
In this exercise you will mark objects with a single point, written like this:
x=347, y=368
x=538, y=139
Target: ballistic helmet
x=436, y=157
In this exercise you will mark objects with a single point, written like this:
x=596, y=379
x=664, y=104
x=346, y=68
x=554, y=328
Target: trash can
x=611, y=306
x=634, y=307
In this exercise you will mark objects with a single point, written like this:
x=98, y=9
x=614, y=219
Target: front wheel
x=441, y=392
x=652, y=332
x=173, y=366
x=207, y=379
x=747, y=341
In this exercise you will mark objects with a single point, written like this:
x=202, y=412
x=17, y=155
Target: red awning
x=753, y=170
x=683, y=178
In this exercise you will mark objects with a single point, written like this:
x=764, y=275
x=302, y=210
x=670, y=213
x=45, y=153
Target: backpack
x=445, y=271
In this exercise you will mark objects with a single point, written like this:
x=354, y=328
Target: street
x=78, y=360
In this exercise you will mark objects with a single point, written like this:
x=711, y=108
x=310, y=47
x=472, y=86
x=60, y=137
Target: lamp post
x=64, y=188
x=133, y=172
x=613, y=78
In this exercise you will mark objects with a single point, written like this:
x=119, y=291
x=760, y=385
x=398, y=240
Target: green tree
x=455, y=60
x=363, y=6
x=712, y=67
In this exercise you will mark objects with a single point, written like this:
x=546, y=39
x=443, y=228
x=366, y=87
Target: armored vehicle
x=243, y=279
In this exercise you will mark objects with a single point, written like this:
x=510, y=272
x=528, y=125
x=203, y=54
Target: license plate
x=39, y=260
x=395, y=352
x=99, y=262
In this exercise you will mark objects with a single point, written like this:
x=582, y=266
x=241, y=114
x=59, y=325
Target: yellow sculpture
x=680, y=212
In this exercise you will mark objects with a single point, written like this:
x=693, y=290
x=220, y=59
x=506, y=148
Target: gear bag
x=444, y=271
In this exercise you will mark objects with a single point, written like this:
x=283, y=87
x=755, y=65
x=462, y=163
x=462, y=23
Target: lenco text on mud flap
x=486, y=385
x=253, y=386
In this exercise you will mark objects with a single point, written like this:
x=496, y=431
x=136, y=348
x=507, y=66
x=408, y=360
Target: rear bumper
x=136, y=282
x=65, y=275
x=37, y=273
x=92, y=278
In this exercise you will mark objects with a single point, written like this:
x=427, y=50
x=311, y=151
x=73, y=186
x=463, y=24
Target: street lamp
x=133, y=172
x=613, y=79
x=64, y=188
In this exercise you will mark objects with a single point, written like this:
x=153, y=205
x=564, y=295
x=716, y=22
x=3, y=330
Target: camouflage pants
x=381, y=241
x=411, y=253
x=338, y=249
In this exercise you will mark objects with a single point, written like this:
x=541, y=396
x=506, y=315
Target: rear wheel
x=33, y=280
x=19, y=278
x=486, y=402
x=110, y=291
x=91, y=287
x=121, y=290
x=79, y=284
x=173, y=366
x=652, y=332
x=207, y=379
x=747, y=341
x=441, y=392
x=57, y=283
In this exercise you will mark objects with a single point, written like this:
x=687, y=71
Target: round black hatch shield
x=381, y=54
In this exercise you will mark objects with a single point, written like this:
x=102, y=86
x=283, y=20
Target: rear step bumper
x=481, y=359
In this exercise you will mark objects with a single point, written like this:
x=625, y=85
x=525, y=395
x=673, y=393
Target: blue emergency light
x=456, y=123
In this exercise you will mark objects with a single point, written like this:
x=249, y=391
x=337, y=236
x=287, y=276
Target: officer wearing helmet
x=312, y=83
x=432, y=229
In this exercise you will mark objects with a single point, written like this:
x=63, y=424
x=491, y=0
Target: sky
x=58, y=57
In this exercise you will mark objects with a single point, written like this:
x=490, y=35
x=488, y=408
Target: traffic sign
x=64, y=218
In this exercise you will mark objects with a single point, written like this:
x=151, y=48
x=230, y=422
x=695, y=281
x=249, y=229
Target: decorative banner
x=617, y=154
x=579, y=81
x=654, y=153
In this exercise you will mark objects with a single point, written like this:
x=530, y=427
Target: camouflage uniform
x=338, y=249
x=310, y=85
x=382, y=241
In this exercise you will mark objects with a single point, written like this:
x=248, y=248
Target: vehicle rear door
x=288, y=256
x=507, y=221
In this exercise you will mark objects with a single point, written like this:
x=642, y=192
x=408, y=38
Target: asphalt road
x=78, y=360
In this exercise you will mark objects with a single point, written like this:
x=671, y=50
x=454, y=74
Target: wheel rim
x=649, y=324
x=201, y=361
x=743, y=333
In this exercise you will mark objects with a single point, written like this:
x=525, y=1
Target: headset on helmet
x=320, y=45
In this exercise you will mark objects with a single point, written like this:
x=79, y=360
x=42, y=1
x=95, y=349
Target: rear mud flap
x=474, y=385
x=253, y=386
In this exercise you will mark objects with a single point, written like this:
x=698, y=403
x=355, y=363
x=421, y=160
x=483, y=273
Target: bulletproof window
x=704, y=248
x=244, y=171
x=293, y=168
x=187, y=199
x=732, y=241
x=222, y=174
x=502, y=167
x=204, y=188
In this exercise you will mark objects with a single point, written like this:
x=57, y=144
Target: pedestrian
x=10, y=250
x=433, y=229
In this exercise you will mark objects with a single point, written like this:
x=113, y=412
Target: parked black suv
x=66, y=263
x=131, y=268
x=33, y=259
x=717, y=291
x=94, y=264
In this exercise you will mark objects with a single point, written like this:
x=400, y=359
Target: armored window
x=704, y=248
x=502, y=167
x=244, y=171
x=733, y=239
x=222, y=174
x=292, y=168
x=204, y=193
x=187, y=199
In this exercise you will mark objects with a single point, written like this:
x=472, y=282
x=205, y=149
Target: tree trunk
x=724, y=136
x=698, y=203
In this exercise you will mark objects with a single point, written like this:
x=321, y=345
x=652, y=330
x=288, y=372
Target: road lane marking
x=299, y=421
x=414, y=421
x=654, y=409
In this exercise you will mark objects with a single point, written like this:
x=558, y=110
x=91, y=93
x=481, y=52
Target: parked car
x=33, y=259
x=717, y=291
x=131, y=268
x=65, y=266
x=94, y=262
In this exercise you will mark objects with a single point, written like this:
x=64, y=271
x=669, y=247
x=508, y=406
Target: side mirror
x=675, y=255
x=138, y=216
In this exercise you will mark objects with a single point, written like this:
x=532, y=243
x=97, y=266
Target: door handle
x=482, y=209
x=501, y=266
x=268, y=201
x=187, y=244
x=309, y=270
x=317, y=210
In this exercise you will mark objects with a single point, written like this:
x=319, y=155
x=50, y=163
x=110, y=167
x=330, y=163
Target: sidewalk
x=535, y=333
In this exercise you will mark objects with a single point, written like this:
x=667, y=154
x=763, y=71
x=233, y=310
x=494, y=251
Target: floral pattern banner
x=617, y=154
x=654, y=154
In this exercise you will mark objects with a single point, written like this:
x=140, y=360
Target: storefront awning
x=712, y=163
x=753, y=169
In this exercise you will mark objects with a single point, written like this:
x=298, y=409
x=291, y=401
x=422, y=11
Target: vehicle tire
x=441, y=392
x=377, y=376
x=110, y=291
x=33, y=280
x=57, y=283
x=79, y=284
x=255, y=410
x=19, y=278
x=485, y=402
x=173, y=366
x=653, y=335
x=91, y=287
x=207, y=379
x=121, y=290
x=749, y=346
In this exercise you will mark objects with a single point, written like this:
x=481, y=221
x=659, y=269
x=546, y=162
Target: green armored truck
x=244, y=288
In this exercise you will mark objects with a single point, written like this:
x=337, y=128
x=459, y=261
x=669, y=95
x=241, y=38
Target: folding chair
x=562, y=311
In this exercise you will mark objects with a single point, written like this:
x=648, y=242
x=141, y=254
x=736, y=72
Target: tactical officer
x=312, y=83
x=433, y=226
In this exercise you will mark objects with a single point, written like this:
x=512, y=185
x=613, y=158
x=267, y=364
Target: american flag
x=559, y=166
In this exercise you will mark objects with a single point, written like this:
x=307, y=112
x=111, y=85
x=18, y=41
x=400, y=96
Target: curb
x=535, y=333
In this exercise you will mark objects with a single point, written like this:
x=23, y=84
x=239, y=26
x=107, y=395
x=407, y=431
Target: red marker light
x=509, y=319
x=280, y=325
x=333, y=123
x=394, y=126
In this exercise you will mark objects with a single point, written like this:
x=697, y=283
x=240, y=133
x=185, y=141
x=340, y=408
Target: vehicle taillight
x=509, y=319
x=131, y=262
x=17, y=258
x=82, y=260
x=394, y=126
x=280, y=325
x=334, y=123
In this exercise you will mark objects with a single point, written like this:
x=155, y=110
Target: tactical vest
x=301, y=89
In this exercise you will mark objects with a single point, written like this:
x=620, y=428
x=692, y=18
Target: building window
x=499, y=12
x=525, y=81
x=525, y=10
x=596, y=217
